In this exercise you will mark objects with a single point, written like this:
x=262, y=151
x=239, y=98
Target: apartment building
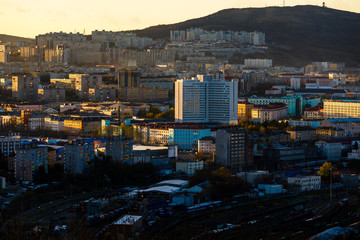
x=78, y=156
x=233, y=149
x=341, y=108
x=28, y=159
x=8, y=145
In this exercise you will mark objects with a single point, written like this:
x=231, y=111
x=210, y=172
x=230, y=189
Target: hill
x=299, y=34
x=8, y=38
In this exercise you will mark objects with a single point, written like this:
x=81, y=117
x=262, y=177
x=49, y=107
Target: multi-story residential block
x=120, y=150
x=304, y=123
x=36, y=121
x=84, y=125
x=25, y=88
x=3, y=54
x=63, y=83
x=351, y=126
x=302, y=133
x=143, y=93
x=46, y=95
x=331, y=148
x=8, y=145
x=189, y=167
x=294, y=103
x=244, y=110
x=184, y=135
x=270, y=112
x=128, y=78
x=28, y=160
x=78, y=156
x=314, y=113
x=207, y=145
x=177, y=35
x=329, y=132
x=204, y=99
x=85, y=81
x=102, y=95
x=305, y=183
x=233, y=149
x=258, y=63
x=54, y=123
x=341, y=108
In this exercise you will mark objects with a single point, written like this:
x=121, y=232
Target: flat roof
x=163, y=189
x=143, y=148
x=127, y=220
x=175, y=182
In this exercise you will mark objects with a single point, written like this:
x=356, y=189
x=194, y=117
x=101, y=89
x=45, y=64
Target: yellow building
x=244, y=110
x=341, y=108
x=84, y=126
x=329, y=132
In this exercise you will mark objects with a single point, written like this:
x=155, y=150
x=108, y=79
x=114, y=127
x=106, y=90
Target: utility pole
x=330, y=185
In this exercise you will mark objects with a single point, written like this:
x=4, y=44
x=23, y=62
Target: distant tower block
x=324, y=4
x=284, y=3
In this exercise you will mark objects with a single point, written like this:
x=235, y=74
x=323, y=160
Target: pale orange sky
x=30, y=18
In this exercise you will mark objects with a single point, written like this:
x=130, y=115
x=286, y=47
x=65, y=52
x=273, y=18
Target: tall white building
x=203, y=99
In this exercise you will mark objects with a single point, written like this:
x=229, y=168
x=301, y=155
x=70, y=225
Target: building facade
x=78, y=156
x=233, y=149
x=204, y=99
x=28, y=160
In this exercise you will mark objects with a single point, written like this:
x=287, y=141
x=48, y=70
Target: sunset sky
x=29, y=18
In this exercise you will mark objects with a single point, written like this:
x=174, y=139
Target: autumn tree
x=326, y=171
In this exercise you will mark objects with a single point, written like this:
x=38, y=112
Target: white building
x=258, y=63
x=207, y=145
x=204, y=99
x=305, y=183
x=189, y=167
x=295, y=83
x=331, y=148
x=276, y=111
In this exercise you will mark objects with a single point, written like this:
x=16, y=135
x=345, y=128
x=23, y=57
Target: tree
x=326, y=171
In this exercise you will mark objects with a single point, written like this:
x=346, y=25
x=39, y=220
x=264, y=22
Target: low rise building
x=207, y=145
x=302, y=134
x=270, y=112
x=331, y=149
x=126, y=226
x=244, y=110
x=329, y=132
x=304, y=183
x=189, y=167
x=351, y=126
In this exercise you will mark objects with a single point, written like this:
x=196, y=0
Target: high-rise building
x=25, y=88
x=8, y=145
x=128, y=78
x=233, y=149
x=204, y=99
x=78, y=156
x=120, y=149
x=29, y=158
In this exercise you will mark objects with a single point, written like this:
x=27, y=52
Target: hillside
x=299, y=34
x=7, y=38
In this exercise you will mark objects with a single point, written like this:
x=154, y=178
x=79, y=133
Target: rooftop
x=127, y=220
x=174, y=182
x=143, y=148
x=163, y=189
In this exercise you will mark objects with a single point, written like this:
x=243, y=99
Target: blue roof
x=340, y=120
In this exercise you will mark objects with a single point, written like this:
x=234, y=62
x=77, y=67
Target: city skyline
x=28, y=20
